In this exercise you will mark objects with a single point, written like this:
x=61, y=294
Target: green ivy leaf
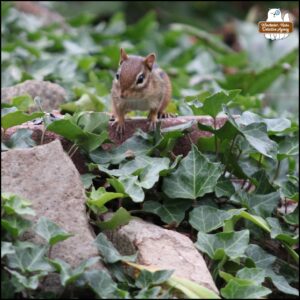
x=29, y=257
x=292, y=218
x=280, y=233
x=69, y=275
x=14, y=204
x=15, y=225
x=273, y=125
x=150, y=293
x=262, y=183
x=289, y=146
x=26, y=282
x=6, y=248
x=256, y=135
x=256, y=275
x=238, y=289
x=261, y=205
x=101, y=283
x=213, y=104
x=194, y=177
x=120, y=217
x=232, y=244
x=170, y=212
x=224, y=188
x=264, y=260
x=22, y=102
x=207, y=218
x=17, y=117
x=109, y=252
x=98, y=198
x=87, y=179
x=51, y=232
x=147, y=278
x=72, y=131
x=132, y=147
x=20, y=139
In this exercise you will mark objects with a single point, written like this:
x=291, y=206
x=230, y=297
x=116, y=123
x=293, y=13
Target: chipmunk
x=139, y=84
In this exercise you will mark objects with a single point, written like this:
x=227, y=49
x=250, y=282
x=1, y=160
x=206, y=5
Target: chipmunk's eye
x=140, y=79
x=117, y=76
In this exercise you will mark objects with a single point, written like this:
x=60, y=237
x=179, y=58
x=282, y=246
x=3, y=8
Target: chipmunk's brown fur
x=139, y=85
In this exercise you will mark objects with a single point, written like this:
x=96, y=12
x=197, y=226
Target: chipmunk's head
x=134, y=73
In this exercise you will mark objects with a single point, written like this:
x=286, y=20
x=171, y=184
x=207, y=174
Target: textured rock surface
x=52, y=94
x=162, y=248
x=46, y=176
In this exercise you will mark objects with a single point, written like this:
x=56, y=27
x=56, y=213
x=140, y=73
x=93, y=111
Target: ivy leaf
x=29, y=258
x=70, y=130
x=101, y=283
x=87, y=179
x=98, y=198
x=194, y=177
x=289, y=190
x=14, y=118
x=256, y=135
x=264, y=260
x=134, y=146
x=289, y=146
x=213, y=104
x=261, y=205
x=51, y=232
x=238, y=289
x=20, y=139
x=120, y=217
x=292, y=218
x=109, y=252
x=15, y=225
x=148, y=169
x=224, y=188
x=262, y=183
x=69, y=275
x=26, y=282
x=207, y=218
x=147, y=278
x=257, y=275
x=273, y=125
x=150, y=293
x=14, y=204
x=7, y=248
x=129, y=185
x=232, y=244
x=170, y=212
x=280, y=233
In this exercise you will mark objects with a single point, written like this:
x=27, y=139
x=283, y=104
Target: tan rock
x=162, y=248
x=46, y=176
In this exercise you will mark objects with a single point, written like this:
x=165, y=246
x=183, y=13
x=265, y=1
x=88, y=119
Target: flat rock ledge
x=162, y=248
x=182, y=146
x=46, y=176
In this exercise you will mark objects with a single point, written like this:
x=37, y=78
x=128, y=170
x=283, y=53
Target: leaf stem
x=277, y=171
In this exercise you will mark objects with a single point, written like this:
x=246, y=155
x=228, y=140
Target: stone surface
x=37, y=132
x=162, y=248
x=51, y=94
x=46, y=176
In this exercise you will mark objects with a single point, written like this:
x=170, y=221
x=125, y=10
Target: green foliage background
x=235, y=193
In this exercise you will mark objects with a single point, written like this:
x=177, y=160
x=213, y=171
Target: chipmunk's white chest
x=141, y=104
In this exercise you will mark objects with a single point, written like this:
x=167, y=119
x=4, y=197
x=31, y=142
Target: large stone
x=46, y=176
x=162, y=248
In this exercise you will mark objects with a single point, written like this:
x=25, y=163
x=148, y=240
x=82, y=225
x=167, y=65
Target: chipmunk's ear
x=123, y=55
x=149, y=60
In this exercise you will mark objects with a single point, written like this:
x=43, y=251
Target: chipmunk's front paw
x=152, y=125
x=120, y=128
x=165, y=115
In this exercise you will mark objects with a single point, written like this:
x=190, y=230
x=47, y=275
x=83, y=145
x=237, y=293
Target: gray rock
x=46, y=176
x=51, y=94
x=162, y=248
